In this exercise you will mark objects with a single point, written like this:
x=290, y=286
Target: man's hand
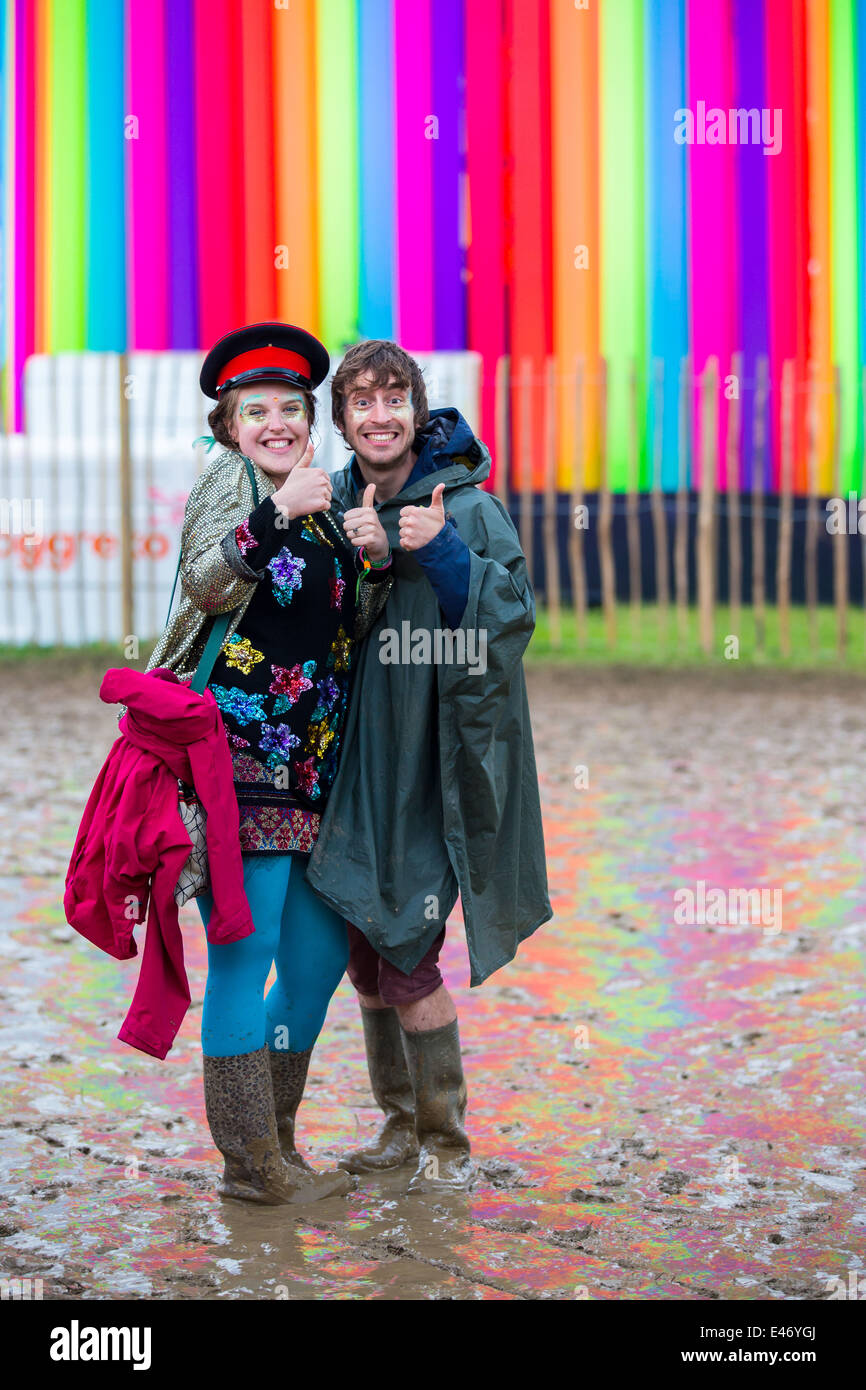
x=418, y=525
x=363, y=527
x=305, y=490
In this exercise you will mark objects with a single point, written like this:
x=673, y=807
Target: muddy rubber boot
x=239, y=1103
x=395, y=1144
x=289, y=1077
x=436, y=1070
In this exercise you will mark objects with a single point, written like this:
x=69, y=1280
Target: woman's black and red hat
x=264, y=352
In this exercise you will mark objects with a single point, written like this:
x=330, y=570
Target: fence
x=92, y=494
x=687, y=543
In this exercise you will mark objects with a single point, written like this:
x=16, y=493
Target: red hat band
x=279, y=358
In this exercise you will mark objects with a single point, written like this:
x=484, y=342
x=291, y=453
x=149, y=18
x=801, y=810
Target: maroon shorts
x=370, y=974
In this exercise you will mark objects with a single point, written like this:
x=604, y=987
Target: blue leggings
x=294, y=928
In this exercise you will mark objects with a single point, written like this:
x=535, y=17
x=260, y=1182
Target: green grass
x=641, y=643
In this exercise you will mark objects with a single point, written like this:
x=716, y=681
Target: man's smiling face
x=379, y=423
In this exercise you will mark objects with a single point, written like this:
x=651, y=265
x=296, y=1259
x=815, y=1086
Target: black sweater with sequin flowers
x=282, y=680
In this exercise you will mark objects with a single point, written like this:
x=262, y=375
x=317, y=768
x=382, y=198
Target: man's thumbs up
x=418, y=525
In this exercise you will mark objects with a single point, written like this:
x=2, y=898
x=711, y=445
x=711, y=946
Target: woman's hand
x=305, y=490
x=363, y=527
x=418, y=525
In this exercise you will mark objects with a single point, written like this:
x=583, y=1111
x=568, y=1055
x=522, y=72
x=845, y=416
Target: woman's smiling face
x=271, y=426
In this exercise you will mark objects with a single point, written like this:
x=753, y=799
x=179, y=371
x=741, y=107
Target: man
x=437, y=791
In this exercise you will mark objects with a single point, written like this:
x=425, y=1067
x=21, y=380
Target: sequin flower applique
x=278, y=742
x=243, y=707
x=245, y=538
x=311, y=531
x=289, y=684
x=337, y=585
x=340, y=653
x=286, y=570
x=318, y=738
x=240, y=653
x=308, y=778
x=329, y=693
x=236, y=743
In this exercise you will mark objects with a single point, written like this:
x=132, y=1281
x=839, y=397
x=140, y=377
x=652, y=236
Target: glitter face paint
x=294, y=408
x=399, y=402
x=273, y=428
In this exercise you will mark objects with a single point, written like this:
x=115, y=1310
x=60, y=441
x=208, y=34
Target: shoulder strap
x=220, y=627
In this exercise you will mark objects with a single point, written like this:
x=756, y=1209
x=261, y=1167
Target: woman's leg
x=238, y=1079
x=311, y=959
x=233, y=1016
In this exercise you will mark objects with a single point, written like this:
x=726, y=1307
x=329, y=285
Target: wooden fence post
x=632, y=502
x=551, y=546
x=526, y=517
x=709, y=443
x=605, y=520
x=125, y=519
x=786, y=524
x=502, y=391
x=732, y=467
x=576, y=557
x=660, y=530
x=681, y=536
x=759, y=431
x=840, y=540
x=810, y=557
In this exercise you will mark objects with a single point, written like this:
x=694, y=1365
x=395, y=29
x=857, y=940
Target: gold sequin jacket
x=214, y=577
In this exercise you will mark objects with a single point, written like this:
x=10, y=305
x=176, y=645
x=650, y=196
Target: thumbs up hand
x=363, y=527
x=418, y=525
x=305, y=490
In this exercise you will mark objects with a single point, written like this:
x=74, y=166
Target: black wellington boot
x=395, y=1144
x=436, y=1071
x=239, y=1102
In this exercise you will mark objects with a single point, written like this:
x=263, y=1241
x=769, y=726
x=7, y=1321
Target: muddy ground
x=660, y=1110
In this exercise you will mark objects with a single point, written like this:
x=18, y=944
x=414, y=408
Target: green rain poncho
x=437, y=791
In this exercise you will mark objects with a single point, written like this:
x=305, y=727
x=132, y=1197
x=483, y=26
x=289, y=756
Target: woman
x=287, y=569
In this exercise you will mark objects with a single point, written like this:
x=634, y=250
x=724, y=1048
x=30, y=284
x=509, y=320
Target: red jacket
x=132, y=845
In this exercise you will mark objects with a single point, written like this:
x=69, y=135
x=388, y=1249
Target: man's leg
x=395, y=1143
x=431, y=1042
x=431, y=1011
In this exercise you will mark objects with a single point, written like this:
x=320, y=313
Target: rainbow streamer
x=531, y=300
x=219, y=128
x=623, y=261
x=180, y=134
x=337, y=173
x=376, y=150
x=296, y=235
x=667, y=243
x=105, y=195
x=845, y=342
x=485, y=172
x=449, y=303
